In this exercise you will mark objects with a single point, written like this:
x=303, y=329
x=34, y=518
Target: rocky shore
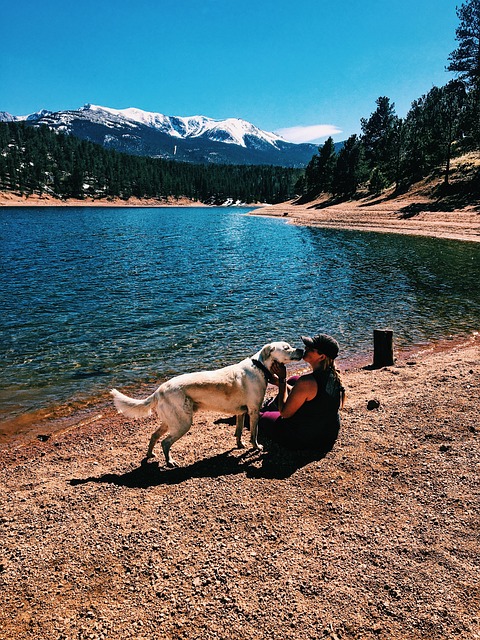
x=378, y=539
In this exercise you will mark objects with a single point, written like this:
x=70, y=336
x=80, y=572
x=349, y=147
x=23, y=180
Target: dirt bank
x=11, y=199
x=379, y=539
x=410, y=215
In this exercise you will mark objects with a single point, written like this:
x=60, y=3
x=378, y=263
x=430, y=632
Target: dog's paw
x=258, y=447
x=171, y=464
x=149, y=456
x=240, y=445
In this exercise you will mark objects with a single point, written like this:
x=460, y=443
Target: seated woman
x=308, y=406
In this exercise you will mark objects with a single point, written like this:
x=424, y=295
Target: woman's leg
x=267, y=422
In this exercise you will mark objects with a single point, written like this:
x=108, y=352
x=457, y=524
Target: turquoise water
x=95, y=297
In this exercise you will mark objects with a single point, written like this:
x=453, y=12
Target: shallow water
x=95, y=297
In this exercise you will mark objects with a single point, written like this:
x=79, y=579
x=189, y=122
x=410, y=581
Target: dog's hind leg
x=177, y=412
x=156, y=435
x=181, y=429
x=239, y=430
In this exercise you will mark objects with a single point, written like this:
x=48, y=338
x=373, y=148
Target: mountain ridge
x=197, y=139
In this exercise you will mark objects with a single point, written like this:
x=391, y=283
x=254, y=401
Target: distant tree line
x=34, y=159
x=394, y=151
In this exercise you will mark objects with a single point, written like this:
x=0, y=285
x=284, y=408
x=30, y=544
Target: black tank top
x=317, y=420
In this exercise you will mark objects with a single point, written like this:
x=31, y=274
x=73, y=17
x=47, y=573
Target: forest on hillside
x=391, y=150
x=38, y=160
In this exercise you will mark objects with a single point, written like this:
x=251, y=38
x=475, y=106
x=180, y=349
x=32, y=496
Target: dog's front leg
x=254, y=429
x=239, y=430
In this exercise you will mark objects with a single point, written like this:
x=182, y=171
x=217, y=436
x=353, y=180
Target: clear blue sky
x=277, y=63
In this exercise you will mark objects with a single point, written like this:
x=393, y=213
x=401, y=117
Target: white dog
x=235, y=390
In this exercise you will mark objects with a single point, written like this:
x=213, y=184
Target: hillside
x=427, y=208
x=36, y=160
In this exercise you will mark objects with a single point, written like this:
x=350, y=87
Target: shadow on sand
x=275, y=463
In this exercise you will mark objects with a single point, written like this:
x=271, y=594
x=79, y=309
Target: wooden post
x=382, y=348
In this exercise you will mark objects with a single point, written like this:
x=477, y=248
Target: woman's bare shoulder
x=307, y=378
x=307, y=383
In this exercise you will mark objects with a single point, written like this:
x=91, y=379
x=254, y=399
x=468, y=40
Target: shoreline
x=409, y=215
x=53, y=420
x=406, y=215
x=11, y=199
x=383, y=217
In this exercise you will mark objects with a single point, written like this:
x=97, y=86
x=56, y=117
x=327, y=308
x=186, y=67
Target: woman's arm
x=304, y=390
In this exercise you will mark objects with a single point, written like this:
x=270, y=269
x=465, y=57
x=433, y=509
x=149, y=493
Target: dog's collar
x=268, y=375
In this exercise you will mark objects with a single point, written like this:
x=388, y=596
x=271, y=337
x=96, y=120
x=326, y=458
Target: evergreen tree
x=320, y=170
x=349, y=169
x=378, y=182
x=465, y=62
x=379, y=138
x=432, y=126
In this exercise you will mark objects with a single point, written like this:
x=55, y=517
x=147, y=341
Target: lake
x=100, y=297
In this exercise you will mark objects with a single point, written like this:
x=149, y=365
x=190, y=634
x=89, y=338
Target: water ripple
x=98, y=297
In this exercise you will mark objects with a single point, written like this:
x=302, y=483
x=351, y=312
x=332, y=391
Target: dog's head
x=281, y=352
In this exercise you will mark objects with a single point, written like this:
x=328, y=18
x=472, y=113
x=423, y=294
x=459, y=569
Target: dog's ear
x=266, y=351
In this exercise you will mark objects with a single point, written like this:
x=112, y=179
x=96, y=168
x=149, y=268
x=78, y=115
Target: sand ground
x=11, y=199
x=409, y=215
x=378, y=539
x=427, y=209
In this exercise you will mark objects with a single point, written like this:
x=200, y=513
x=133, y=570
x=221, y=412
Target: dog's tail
x=133, y=408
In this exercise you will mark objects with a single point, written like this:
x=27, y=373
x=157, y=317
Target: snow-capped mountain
x=7, y=117
x=193, y=139
x=231, y=130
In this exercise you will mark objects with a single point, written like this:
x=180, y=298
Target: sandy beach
x=410, y=215
x=11, y=199
x=379, y=539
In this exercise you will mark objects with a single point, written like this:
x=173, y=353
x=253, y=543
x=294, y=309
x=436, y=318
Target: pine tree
x=465, y=60
x=432, y=126
x=379, y=138
x=320, y=170
x=349, y=169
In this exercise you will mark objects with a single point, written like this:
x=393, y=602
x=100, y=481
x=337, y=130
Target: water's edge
x=74, y=414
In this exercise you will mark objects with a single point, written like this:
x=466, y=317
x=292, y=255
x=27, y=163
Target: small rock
x=43, y=437
x=373, y=404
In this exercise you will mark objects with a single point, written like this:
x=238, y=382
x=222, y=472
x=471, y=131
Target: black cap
x=323, y=343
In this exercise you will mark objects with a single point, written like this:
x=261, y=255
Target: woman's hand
x=280, y=370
